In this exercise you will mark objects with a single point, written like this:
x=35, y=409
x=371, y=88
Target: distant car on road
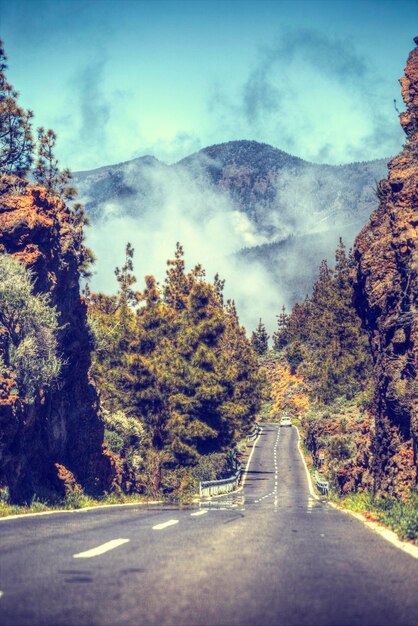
x=285, y=421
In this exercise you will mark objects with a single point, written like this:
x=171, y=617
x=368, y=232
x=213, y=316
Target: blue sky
x=119, y=79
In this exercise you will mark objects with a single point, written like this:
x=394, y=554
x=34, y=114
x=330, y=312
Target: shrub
x=211, y=467
x=341, y=447
x=28, y=325
x=124, y=437
x=400, y=515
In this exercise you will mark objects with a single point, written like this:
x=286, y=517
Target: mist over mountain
x=260, y=217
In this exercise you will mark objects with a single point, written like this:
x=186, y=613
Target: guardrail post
x=322, y=485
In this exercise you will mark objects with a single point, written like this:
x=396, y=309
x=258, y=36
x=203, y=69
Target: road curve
x=268, y=555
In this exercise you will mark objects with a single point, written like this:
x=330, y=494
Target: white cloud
x=314, y=96
x=204, y=221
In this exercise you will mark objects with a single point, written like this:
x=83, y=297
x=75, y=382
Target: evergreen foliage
x=323, y=335
x=46, y=171
x=28, y=324
x=57, y=182
x=280, y=338
x=126, y=296
x=16, y=140
x=124, y=435
x=181, y=365
x=260, y=339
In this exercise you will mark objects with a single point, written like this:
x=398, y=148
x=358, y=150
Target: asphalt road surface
x=270, y=554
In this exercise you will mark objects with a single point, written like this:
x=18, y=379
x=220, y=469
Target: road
x=268, y=555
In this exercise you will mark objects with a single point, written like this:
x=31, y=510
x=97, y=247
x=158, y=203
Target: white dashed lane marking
x=170, y=522
x=276, y=469
x=196, y=513
x=105, y=547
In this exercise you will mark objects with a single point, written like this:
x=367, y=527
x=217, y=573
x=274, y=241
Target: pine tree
x=46, y=171
x=282, y=336
x=324, y=336
x=243, y=375
x=184, y=369
x=176, y=287
x=126, y=296
x=16, y=140
x=85, y=255
x=219, y=285
x=199, y=392
x=260, y=339
x=113, y=323
x=58, y=183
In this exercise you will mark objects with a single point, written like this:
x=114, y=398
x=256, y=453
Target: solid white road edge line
x=105, y=547
x=387, y=534
x=196, y=513
x=311, y=487
x=244, y=476
x=83, y=510
x=170, y=522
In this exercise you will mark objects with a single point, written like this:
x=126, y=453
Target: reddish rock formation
x=387, y=299
x=62, y=426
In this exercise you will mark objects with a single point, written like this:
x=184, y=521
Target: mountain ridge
x=232, y=142
x=248, y=187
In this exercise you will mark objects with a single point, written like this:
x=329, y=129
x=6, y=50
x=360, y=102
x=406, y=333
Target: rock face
x=387, y=299
x=63, y=426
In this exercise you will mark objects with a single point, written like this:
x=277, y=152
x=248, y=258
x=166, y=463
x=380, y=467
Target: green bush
x=211, y=467
x=399, y=515
x=76, y=500
x=341, y=447
x=38, y=505
x=114, y=441
x=28, y=326
x=359, y=502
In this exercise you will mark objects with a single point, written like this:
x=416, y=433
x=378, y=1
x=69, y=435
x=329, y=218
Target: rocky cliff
x=62, y=426
x=387, y=299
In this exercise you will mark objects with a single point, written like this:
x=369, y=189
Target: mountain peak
x=243, y=152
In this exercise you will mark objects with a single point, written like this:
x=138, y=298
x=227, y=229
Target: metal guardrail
x=322, y=485
x=255, y=434
x=226, y=485
x=216, y=487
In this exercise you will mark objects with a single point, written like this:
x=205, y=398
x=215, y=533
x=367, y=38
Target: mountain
x=280, y=214
x=122, y=183
x=268, y=183
x=258, y=179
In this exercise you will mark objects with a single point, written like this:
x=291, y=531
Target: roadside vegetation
x=401, y=516
x=71, y=502
x=179, y=381
x=320, y=373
